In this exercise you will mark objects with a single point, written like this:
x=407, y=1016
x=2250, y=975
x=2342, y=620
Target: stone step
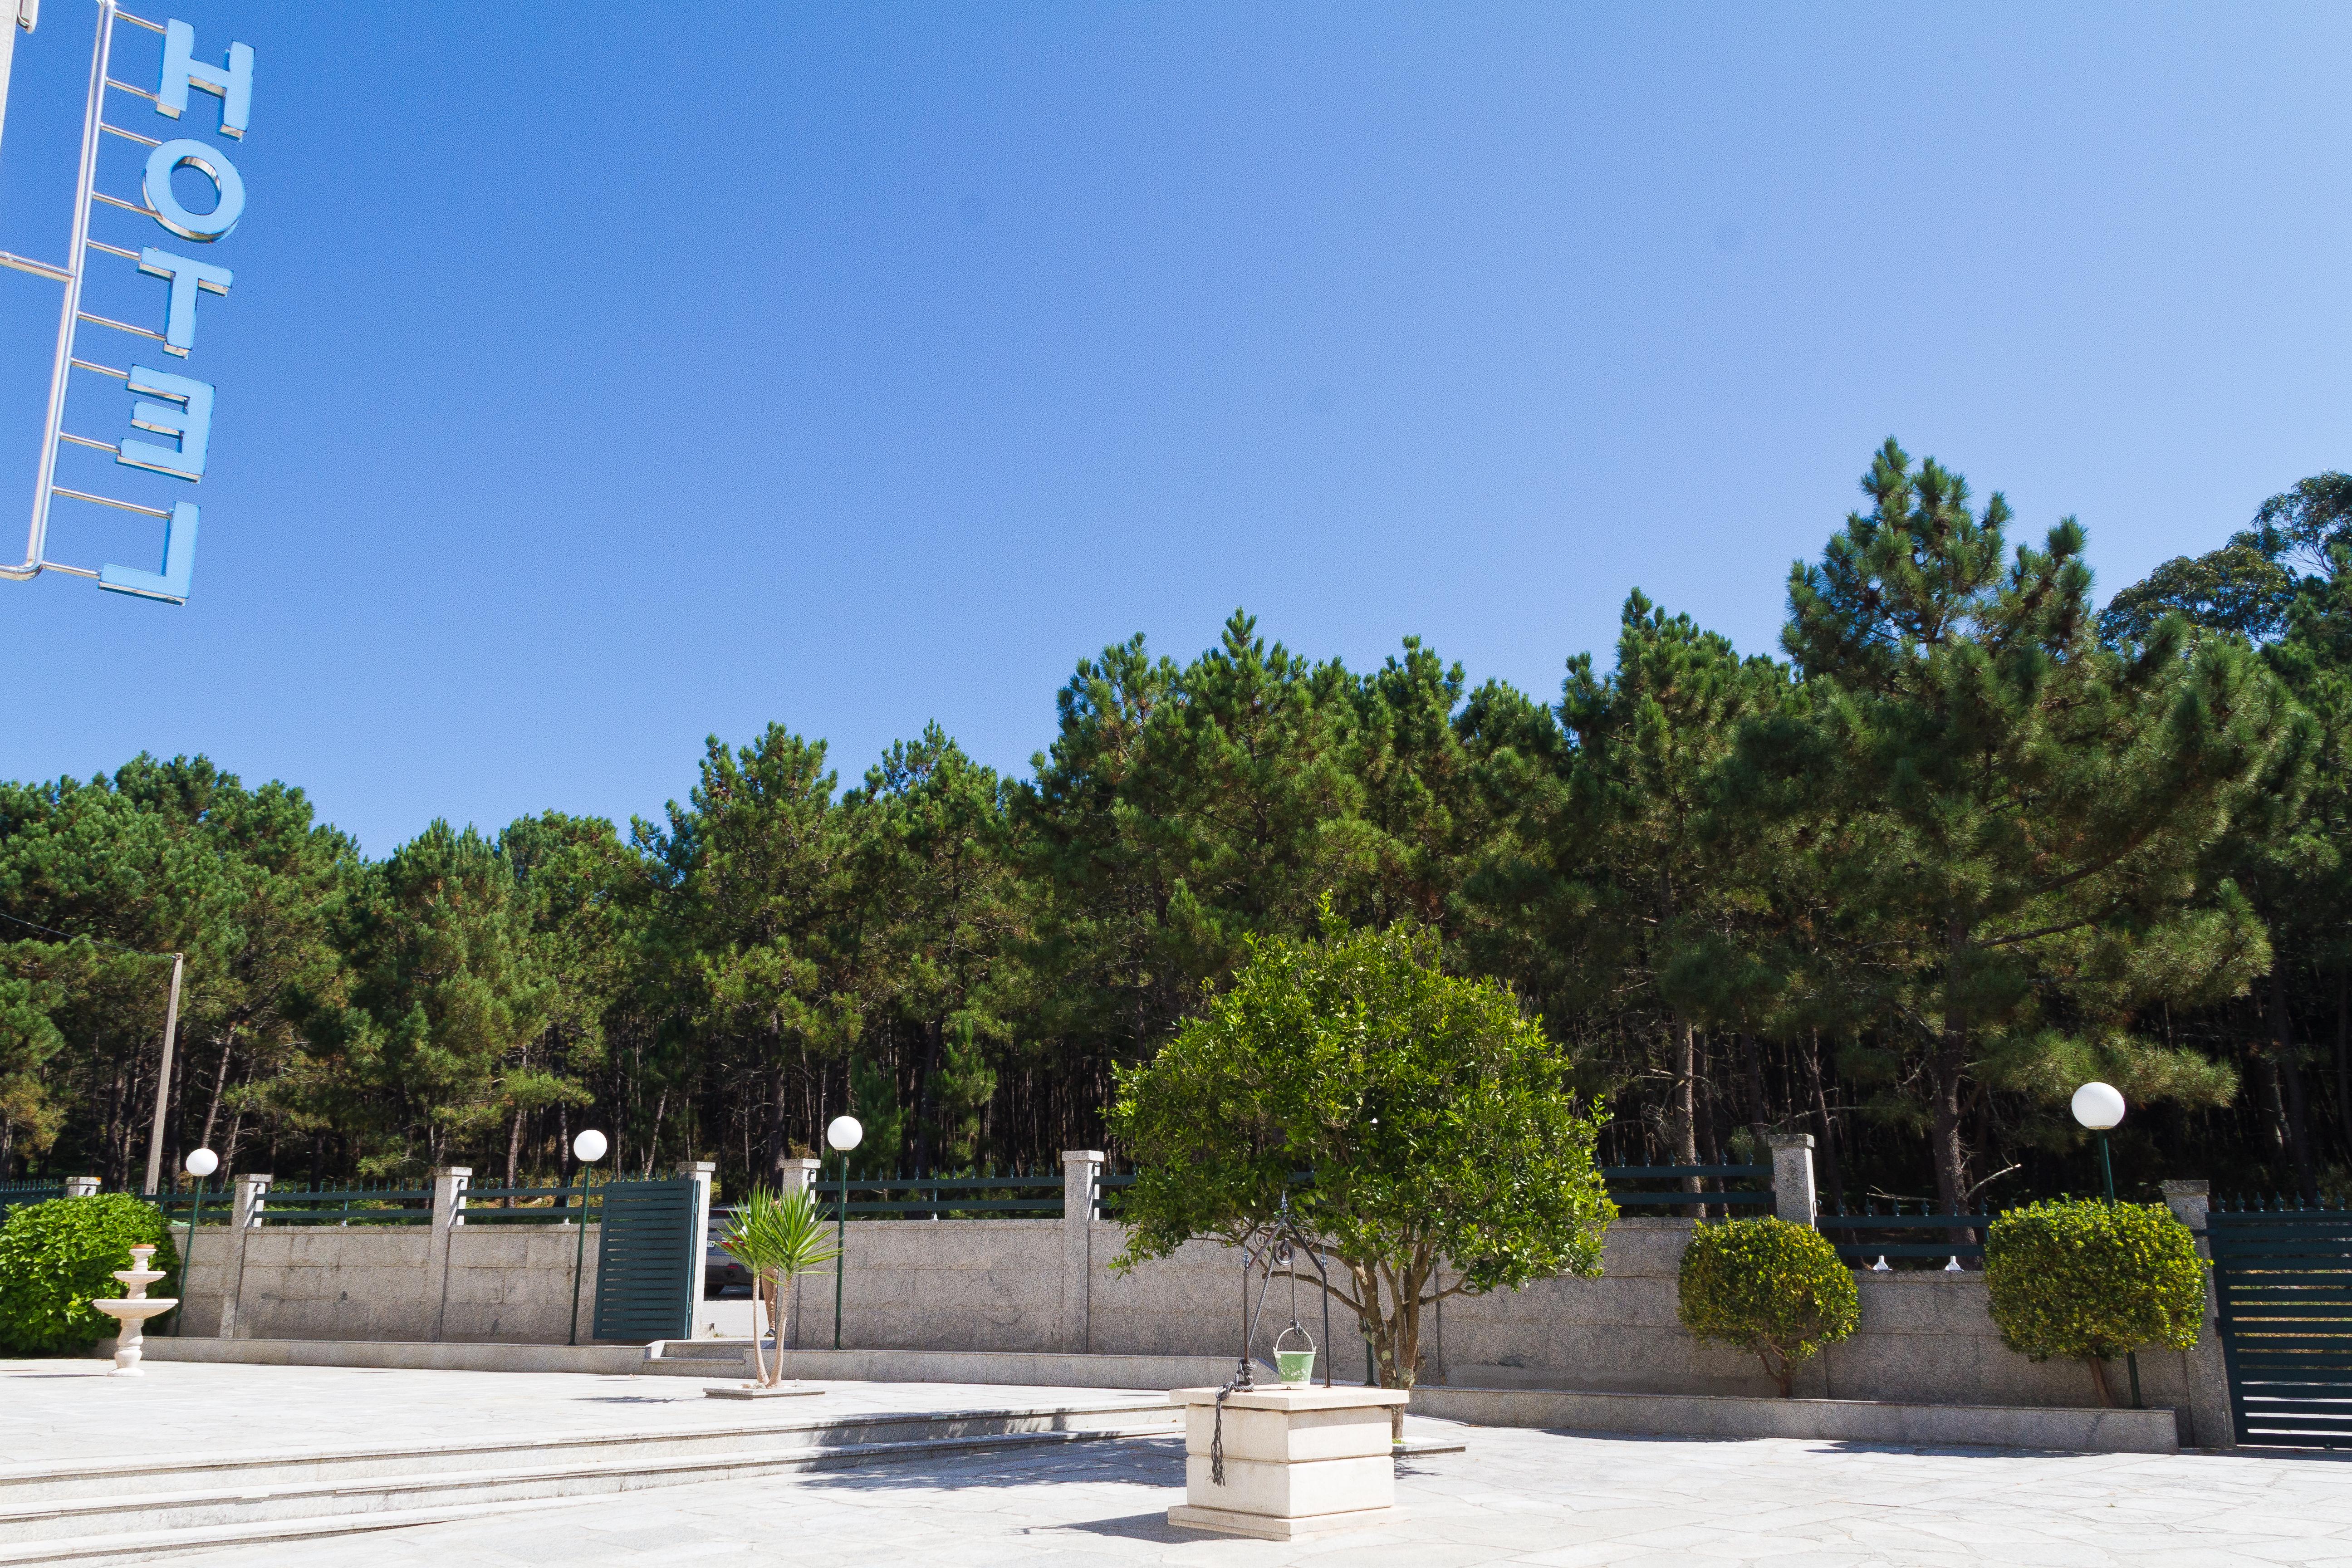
x=128, y=1528
x=23, y=1486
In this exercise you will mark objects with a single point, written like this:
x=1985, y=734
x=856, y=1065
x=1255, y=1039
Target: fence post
x=449, y=1184
x=799, y=1176
x=1793, y=1177
x=81, y=1187
x=1081, y=1168
x=2202, y=1369
x=700, y=1173
x=248, y=1196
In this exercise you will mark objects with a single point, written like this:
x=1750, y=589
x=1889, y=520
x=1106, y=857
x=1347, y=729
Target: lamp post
x=2099, y=1107
x=201, y=1163
x=843, y=1134
x=588, y=1148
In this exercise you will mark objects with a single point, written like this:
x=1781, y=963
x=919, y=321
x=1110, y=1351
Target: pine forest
x=1966, y=839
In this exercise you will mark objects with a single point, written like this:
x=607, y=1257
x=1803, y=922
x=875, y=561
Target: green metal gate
x=648, y=1260
x=2283, y=1280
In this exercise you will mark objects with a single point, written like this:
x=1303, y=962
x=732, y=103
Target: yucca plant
x=777, y=1239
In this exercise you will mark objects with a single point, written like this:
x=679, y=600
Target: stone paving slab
x=56, y=1411
x=1519, y=1497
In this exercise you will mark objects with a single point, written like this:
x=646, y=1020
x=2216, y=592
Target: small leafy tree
x=1776, y=1290
x=58, y=1257
x=2094, y=1280
x=1448, y=1154
x=778, y=1239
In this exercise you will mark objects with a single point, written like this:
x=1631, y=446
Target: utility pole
x=23, y=14
x=163, y=1083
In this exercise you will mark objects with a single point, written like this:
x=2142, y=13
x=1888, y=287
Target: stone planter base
x=1265, y=1527
x=1298, y=1461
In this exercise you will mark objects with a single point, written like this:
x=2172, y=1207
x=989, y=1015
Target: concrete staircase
x=136, y=1510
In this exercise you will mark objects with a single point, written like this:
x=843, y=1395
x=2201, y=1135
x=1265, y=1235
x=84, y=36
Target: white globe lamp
x=2097, y=1105
x=589, y=1147
x=844, y=1133
x=202, y=1162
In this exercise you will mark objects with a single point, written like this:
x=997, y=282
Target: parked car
x=722, y=1274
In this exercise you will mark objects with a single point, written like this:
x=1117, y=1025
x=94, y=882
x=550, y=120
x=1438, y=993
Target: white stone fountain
x=134, y=1311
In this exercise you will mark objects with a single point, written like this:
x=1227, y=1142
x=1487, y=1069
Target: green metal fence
x=363, y=1203
x=15, y=1194
x=179, y=1206
x=979, y=1194
x=2283, y=1281
x=1904, y=1239
x=1643, y=1186
x=529, y=1206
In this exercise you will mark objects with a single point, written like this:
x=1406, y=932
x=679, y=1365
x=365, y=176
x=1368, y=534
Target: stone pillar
x=1793, y=1177
x=449, y=1184
x=2210, y=1424
x=248, y=1197
x=800, y=1176
x=1080, y=1204
x=700, y=1173
x=82, y=1187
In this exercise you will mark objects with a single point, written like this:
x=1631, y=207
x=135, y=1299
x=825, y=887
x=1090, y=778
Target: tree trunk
x=514, y=1150
x=2344, y=1058
x=220, y=1083
x=1948, y=1066
x=924, y=1073
x=1830, y=1174
x=2298, y=1121
x=1759, y=1113
x=2099, y=1377
x=1683, y=1106
x=778, y=1109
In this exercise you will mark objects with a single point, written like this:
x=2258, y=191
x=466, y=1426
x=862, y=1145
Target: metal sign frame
x=181, y=412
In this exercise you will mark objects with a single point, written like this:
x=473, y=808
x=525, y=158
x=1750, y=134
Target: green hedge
x=1775, y=1289
x=55, y=1257
x=2080, y=1277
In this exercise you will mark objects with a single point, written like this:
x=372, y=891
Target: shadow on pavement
x=1133, y=1462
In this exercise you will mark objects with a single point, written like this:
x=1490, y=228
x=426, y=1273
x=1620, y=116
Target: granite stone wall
x=1048, y=1286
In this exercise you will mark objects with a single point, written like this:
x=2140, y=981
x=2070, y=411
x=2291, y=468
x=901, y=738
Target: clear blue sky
x=598, y=377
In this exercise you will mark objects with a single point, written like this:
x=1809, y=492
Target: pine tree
x=2025, y=818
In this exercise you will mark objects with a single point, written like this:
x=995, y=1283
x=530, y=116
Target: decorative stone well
x=1298, y=1461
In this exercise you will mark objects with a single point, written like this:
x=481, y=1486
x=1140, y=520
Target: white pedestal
x=1300, y=1461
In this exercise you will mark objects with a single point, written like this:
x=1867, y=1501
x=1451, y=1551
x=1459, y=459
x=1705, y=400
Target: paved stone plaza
x=1516, y=1497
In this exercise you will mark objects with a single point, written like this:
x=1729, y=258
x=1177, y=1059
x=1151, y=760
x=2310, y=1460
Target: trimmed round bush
x=2082, y=1278
x=57, y=1256
x=1775, y=1289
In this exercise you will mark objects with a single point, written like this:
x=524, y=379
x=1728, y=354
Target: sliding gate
x=648, y=1260
x=2283, y=1280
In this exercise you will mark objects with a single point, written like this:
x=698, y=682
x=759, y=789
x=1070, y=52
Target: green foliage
x=1449, y=1153
x=2090, y=1279
x=57, y=1256
x=1770, y=1288
x=2012, y=826
x=1904, y=884
x=778, y=1239
x=2235, y=589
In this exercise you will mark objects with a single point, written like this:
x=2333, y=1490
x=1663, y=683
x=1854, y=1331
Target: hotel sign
x=166, y=426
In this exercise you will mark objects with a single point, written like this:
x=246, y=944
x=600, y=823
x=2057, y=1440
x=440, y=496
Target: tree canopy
x=1446, y=1151
x=1964, y=838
